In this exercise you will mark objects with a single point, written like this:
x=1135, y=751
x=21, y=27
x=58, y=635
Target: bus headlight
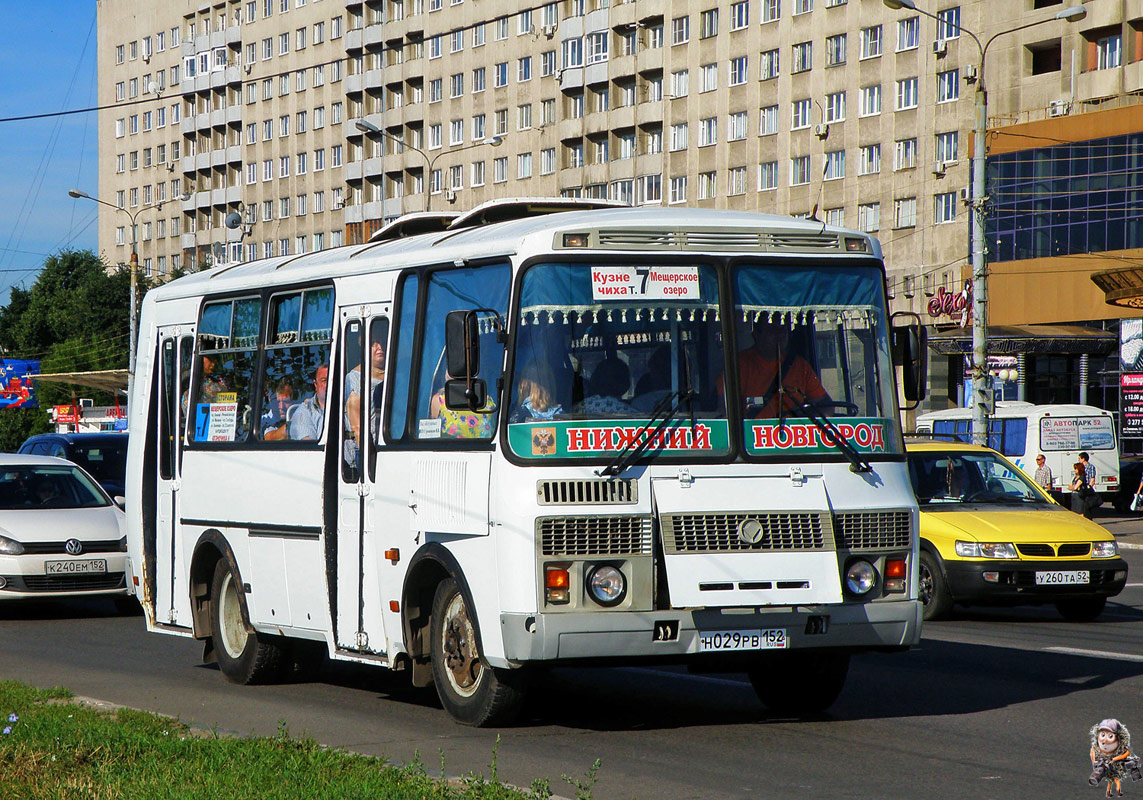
x=606, y=585
x=860, y=577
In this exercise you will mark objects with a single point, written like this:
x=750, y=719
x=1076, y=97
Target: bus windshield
x=606, y=354
x=601, y=349
x=813, y=343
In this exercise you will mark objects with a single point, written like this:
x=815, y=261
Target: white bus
x=543, y=469
x=1022, y=431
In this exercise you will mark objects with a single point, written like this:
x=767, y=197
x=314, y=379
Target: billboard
x=16, y=387
x=1131, y=378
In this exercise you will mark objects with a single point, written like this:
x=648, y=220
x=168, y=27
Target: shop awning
x=1031, y=339
x=105, y=380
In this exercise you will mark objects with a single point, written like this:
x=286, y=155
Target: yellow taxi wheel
x=932, y=589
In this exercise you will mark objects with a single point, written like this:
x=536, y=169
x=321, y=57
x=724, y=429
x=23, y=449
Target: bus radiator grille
x=589, y=492
x=590, y=536
x=871, y=530
x=715, y=533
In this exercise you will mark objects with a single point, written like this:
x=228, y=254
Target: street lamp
x=369, y=127
x=980, y=384
x=134, y=271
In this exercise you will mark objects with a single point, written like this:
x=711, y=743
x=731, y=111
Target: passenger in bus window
x=461, y=423
x=308, y=417
x=274, y=411
x=213, y=384
x=610, y=380
x=353, y=401
x=534, y=393
x=770, y=368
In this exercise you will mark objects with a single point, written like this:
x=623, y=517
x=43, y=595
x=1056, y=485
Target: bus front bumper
x=681, y=635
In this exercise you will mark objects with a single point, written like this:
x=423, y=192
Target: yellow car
x=990, y=536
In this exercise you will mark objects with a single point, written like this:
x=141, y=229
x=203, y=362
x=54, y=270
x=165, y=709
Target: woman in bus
x=461, y=423
x=534, y=393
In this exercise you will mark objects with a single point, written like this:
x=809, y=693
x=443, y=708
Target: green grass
x=55, y=748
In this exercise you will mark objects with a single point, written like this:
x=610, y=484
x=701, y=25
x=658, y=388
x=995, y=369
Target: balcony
x=1133, y=76
x=374, y=34
x=218, y=158
x=202, y=161
x=234, y=115
x=353, y=84
x=218, y=118
x=234, y=154
x=1101, y=14
x=371, y=210
x=233, y=194
x=1098, y=84
x=186, y=240
x=233, y=35
x=202, y=200
x=374, y=79
x=353, y=171
x=353, y=39
x=187, y=124
x=187, y=164
x=218, y=197
x=353, y=214
x=371, y=168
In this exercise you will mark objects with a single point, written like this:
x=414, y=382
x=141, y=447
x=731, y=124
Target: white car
x=60, y=533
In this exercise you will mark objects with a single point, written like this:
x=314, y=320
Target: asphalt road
x=992, y=704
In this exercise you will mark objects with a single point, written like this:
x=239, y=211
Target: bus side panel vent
x=587, y=492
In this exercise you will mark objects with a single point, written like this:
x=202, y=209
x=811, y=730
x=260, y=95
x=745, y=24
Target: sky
x=47, y=65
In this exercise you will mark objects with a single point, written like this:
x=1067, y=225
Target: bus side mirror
x=910, y=346
x=463, y=390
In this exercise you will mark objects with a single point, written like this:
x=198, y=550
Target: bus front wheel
x=244, y=657
x=471, y=691
x=799, y=682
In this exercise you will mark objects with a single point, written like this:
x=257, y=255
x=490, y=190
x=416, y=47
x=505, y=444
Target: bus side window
x=228, y=355
x=399, y=370
x=297, y=346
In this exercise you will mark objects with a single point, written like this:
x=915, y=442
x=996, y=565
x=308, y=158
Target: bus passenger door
x=172, y=603
x=358, y=623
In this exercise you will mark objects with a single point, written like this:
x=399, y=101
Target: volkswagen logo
x=750, y=531
x=73, y=547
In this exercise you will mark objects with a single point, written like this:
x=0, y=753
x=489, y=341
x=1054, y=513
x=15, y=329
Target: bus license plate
x=1062, y=578
x=95, y=565
x=728, y=641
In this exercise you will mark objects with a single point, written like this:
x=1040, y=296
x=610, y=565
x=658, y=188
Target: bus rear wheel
x=471, y=691
x=799, y=683
x=244, y=657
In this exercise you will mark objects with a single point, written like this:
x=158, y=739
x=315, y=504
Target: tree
x=74, y=318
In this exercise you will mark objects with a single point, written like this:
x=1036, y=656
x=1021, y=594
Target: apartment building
x=319, y=121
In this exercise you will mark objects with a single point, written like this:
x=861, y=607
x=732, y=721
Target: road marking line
x=1079, y=651
x=1130, y=585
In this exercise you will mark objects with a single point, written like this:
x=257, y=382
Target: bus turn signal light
x=894, y=575
x=556, y=585
x=393, y=554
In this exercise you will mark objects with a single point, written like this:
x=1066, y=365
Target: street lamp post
x=369, y=127
x=134, y=272
x=981, y=386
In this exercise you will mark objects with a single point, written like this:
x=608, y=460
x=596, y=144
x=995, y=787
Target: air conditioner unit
x=1059, y=108
x=549, y=30
x=965, y=195
x=969, y=73
x=939, y=169
x=821, y=130
x=940, y=48
x=450, y=195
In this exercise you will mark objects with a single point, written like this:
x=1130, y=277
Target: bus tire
x=932, y=590
x=471, y=691
x=1081, y=609
x=243, y=656
x=799, y=682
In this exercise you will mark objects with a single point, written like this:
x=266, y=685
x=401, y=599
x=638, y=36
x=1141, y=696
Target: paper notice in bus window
x=645, y=283
x=222, y=420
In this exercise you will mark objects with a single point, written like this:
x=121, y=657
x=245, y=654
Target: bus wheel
x=243, y=657
x=1081, y=609
x=471, y=691
x=799, y=682
x=931, y=588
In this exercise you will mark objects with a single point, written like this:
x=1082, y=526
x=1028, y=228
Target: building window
x=944, y=207
x=947, y=146
x=771, y=10
x=803, y=6
x=708, y=23
x=767, y=176
x=905, y=154
x=678, y=189
x=835, y=50
x=736, y=181
x=708, y=185
x=835, y=107
x=948, y=23
x=906, y=93
x=869, y=217
x=708, y=131
x=768, y=67
x=767, y=120
x=738, y=68
x=870, y=101
x=650, y=189
x=905, y=212
x=1109, y=52
x=678, y=136
x=708, y=76
x=948, y=86
x=680, y=83
x=597, y=47
x=523, y=166
x=834, y=165
x=736, y=126
x=799, y=170
x=835, y=217
x=680, y=31
x=739, y=15
x=870, y=163
x=803, y=53
x=800, y=114
x=907, y=33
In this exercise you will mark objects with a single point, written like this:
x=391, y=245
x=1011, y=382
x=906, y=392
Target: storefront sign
x=645, y=283
x=1131, y=379
x=956, y=307
x=582, y=439
x=801, y=436
x=67, y=414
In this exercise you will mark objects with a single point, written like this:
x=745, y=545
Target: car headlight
x=860, y=577
x=1104, y=549
x=10, y=547
x=986, y=550
x=606, y=585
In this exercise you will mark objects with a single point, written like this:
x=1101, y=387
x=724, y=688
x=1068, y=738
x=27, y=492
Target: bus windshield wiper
x=858, y=462
x=664, y=413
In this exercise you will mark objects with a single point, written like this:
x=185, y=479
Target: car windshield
x=601, y=344
x=48, y=486
x=105, y=461
x=946, y=480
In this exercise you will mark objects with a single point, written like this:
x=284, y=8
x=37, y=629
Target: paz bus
x=544, y=467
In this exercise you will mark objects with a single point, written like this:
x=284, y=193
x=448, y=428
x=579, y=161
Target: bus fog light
x=860, y=577
x=556, y=585
x=606, y=585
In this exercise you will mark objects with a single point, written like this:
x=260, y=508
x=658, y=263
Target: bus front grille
x=588, y=492
x=868, y=530
x=713, y=533
x=627, y=534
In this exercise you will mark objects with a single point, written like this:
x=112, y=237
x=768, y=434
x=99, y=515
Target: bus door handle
x=362, y=489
